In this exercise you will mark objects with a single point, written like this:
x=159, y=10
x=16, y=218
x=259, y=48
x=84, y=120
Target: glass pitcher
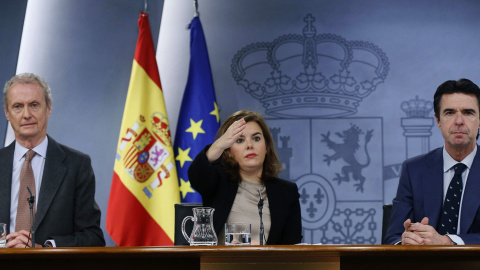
x=203, y=233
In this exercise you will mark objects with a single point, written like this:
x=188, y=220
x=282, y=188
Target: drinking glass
x=238, y=234
x=3, y=235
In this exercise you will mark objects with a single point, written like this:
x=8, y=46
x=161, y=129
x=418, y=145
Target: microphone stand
x=31, y=202
x=260, y=207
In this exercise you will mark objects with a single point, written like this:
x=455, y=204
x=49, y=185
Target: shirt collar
x=40, y=149
x=449, y=162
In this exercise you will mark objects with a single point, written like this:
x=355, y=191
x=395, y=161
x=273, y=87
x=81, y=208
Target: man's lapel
x=471, y=197
x=6, y=167
x=433, y=187
x=53, y=175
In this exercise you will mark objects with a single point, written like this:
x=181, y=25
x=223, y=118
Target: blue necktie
x=451, y=205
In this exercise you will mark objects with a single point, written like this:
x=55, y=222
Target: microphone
x=31, y=202
x=260, y=207
x=32, y=198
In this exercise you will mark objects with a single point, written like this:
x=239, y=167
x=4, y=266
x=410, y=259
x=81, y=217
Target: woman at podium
x=238, y=172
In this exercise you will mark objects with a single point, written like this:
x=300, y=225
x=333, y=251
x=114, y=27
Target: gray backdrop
x=328, y=76
x=12, y=13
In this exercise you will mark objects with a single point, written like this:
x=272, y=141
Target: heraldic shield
x=337, y=166
x=143, y=152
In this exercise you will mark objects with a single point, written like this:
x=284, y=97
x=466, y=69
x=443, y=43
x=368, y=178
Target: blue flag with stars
x=199, y=119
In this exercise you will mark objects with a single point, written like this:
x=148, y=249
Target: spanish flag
x=145, y=184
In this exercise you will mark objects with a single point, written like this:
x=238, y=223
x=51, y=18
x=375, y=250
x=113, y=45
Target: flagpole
x=195, y=8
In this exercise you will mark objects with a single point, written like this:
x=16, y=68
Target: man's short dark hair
x=463, y=86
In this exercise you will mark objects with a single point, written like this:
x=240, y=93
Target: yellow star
x=215, y=112
x=183, y=156
x=185, y=188
x=195, y=128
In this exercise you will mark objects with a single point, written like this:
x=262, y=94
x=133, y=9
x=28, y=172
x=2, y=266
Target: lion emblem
x=346, y=151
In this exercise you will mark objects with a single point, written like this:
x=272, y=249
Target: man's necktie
x=451, y=205
x=26, y=179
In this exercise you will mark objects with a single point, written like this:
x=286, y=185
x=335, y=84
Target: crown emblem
x=310, y=75
x=417, y=108
x=161, y=128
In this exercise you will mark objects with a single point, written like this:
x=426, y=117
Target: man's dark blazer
x=66, y=210
x=420, y=194
x=219, y=192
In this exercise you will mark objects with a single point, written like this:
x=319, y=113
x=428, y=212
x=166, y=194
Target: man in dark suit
x=437, y=201
x=63, y=181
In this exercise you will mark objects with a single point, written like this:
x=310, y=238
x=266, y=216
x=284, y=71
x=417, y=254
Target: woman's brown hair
x=271, y=165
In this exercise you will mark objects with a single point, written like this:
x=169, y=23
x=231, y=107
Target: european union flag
x=199, y=119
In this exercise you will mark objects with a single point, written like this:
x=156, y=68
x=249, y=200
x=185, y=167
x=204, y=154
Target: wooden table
x=251, y=257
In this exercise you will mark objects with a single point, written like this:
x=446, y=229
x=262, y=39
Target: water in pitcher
x=203, y=236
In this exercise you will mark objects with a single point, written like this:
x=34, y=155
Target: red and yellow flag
x=145, y=184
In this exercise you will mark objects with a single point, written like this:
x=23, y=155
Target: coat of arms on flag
x=144, y=153
x=144, y=184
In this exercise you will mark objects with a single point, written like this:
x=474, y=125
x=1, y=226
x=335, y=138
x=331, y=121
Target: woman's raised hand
x=226, y=140
x=232, y=134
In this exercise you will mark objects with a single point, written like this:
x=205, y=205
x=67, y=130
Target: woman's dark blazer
x=218, y=191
